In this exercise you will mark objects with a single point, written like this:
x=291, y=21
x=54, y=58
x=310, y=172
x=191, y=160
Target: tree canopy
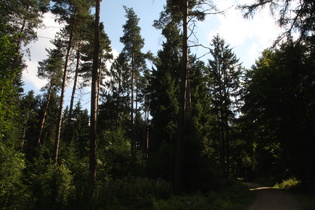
x=153, y=137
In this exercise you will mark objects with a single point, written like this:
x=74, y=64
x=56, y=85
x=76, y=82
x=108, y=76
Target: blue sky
x=248, y=38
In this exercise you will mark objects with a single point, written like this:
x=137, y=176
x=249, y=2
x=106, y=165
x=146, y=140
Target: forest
x=185, y=127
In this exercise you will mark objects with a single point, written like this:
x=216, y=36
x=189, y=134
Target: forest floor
x=269, y=198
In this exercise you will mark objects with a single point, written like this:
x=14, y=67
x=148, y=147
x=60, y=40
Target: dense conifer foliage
x=186, y=125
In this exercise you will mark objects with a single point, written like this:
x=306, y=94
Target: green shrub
x=52, y=186
x=288, y=184
x=12, y=164
x=233, y=197
x=132, y=193
x=198, y=201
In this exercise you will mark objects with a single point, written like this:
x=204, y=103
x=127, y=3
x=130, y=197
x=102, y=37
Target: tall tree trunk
x=178, y=173
x=94, y=101
x=226, y=128
x=64, y=82
x=222, y=140
x=132, y=145
x=72, y=95
x=42, y=123
x=99, y=79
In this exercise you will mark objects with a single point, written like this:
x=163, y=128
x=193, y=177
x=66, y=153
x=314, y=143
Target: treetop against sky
x=247, y=37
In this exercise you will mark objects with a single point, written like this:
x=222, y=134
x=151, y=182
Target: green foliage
x=163, y=92
x=52, y=67
x=132, y=193
x=12, y=164
x=278, y=112
x=197, y=201
x=51, y=185
x=235, y=196
x=8, y=88
x=132, y=39
x=224, y=74
x=288, y=184
x=23, y=17
x=114, y=153
x=138, y=118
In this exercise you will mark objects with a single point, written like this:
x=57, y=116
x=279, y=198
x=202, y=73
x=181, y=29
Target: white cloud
x=248, y=37
x=38, y=52
x=254, y=51
x=236, y=30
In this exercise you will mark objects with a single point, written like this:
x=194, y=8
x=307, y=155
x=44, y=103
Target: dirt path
x=272, y=199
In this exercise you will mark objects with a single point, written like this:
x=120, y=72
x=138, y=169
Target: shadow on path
x=272, y=199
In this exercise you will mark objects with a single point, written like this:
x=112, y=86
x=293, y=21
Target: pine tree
x=133, y=44
x=19, y=19
x=73, y=13
x=51, y=69
x=94, y=93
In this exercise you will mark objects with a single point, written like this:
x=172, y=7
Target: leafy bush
x=288, y=184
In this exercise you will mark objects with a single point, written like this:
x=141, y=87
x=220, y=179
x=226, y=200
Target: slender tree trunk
x=223, y=131
x=225, y=123
x=23, y=136
x=178, y=173
x=146, y=135
x=133, y=148
x=72, y=95
x=136, y=126
x=99, y=78
x=64, y=82
x=19, y=40
x=94, y=101
x=42, y=123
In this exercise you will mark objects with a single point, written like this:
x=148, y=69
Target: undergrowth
x=234, y=197
x=288, y=184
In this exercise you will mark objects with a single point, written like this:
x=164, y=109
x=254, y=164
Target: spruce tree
x=224, y=85
x=182, y=12
x=163, y=100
